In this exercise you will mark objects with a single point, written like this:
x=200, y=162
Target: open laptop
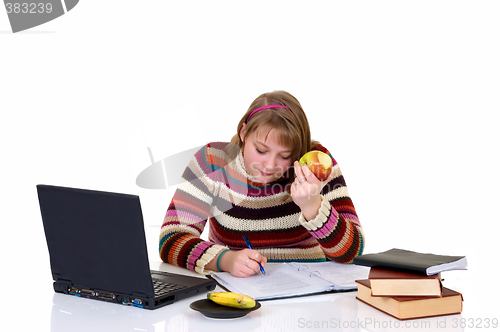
x=97, y=249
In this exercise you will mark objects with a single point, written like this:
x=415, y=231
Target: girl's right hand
x=242, y=263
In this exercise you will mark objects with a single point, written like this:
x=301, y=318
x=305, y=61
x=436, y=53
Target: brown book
x=396, y=283
x=410, y=307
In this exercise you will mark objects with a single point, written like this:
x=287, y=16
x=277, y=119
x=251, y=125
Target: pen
x=250, y=247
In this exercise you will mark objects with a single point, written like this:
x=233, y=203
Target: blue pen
x=250, y=247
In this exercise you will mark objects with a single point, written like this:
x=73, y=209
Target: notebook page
x=342, y=276
x=280, y=280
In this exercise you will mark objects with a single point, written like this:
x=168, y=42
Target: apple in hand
x=319, y=163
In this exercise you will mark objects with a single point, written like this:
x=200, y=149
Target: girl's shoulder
x=222, y=146
x=218, y=153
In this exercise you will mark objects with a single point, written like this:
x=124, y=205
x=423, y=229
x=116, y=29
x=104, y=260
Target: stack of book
x=407, y=284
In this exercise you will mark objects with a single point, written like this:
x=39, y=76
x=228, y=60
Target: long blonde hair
x=291, y=124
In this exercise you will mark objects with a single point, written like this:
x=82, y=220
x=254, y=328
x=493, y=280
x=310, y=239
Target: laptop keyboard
x=162, y=287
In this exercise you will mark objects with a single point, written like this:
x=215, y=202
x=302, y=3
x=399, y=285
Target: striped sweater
x=219, y=190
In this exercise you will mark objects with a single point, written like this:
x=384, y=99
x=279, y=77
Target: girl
x=254, y=186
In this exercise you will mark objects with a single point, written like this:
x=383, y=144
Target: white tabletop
x=326, y=312
x=30, y=304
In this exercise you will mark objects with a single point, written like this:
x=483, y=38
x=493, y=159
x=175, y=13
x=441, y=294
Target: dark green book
x=412, y=262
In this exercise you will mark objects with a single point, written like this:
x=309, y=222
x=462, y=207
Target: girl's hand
x=242, y=263
x=306, y=189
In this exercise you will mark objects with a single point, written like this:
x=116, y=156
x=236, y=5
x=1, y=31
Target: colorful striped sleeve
x=187, y=214
x=336, y=227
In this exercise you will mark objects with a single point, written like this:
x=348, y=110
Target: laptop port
x=87, y=292
x=73, y=291
x=125, y=300
x=105, y=296
x=137, y=303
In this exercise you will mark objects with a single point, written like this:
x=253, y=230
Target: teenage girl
x=254, y=187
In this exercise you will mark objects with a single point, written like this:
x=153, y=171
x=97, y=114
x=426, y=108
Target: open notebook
x=285, y=280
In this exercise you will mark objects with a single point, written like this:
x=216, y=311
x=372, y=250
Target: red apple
x=319, y=163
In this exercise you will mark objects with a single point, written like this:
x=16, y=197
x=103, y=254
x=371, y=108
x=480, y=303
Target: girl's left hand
x=306, y=189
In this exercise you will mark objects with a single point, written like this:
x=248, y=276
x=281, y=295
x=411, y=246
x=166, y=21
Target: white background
x=404, y=95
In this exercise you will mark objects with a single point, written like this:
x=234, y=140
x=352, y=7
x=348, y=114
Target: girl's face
x=265, y=159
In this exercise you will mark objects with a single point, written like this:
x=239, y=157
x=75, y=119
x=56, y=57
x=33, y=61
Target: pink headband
x=265, y=108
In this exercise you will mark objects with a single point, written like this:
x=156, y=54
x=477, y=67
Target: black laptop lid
x=96, y=239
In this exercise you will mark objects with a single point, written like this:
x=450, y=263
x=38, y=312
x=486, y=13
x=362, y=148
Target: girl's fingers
x=299, y=175
x=309, y=176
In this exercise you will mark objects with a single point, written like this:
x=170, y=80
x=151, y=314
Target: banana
x=231, y=299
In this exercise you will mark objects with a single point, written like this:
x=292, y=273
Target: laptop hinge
x=58, y=278
x=61, y=285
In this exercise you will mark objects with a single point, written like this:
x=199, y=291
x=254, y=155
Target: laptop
x=97, y=248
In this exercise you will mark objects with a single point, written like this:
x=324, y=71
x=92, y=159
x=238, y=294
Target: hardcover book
x=412, y=262
x=394, y=283
x=410, y=307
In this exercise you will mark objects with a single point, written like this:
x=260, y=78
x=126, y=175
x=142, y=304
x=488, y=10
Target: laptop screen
x=96, y=239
